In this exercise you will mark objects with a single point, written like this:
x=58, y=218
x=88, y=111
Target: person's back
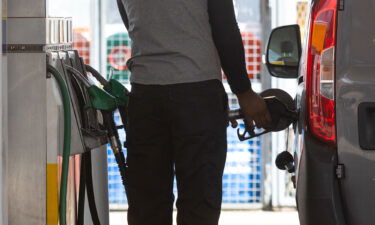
x=178, y=107
x=172, y=42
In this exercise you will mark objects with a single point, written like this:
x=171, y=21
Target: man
x=178, y=106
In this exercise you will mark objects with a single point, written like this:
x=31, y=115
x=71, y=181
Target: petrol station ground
x=228, y=217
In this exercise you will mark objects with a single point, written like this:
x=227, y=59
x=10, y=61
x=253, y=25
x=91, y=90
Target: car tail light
x=320, y=80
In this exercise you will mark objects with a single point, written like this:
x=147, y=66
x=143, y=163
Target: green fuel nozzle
x=101, y=100
x=118, y=90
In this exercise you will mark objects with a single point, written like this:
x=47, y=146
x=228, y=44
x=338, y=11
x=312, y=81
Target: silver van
x=334, y=137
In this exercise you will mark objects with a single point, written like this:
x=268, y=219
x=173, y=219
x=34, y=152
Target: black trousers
x=176, y=130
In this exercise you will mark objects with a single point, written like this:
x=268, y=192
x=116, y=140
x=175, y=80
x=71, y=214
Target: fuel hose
x=96, y=74
x=67, y=142
x=115, y=143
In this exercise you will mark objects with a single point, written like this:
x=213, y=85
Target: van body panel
x=355, y=84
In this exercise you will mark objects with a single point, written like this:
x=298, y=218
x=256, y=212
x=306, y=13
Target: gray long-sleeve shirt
x=182, y=41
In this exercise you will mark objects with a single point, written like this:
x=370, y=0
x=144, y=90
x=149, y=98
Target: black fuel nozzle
x=281, y=108
x=285, y=161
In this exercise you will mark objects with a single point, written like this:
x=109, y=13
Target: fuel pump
x=93, y=108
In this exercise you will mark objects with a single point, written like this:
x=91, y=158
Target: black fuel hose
x=77, y=74
x=115, y=142
x=82, y=192
x=96, y=74
x=86, y=184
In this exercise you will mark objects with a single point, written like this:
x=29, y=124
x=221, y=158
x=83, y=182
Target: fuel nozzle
x=285, y=161
x=282, y=110
x=116, y=89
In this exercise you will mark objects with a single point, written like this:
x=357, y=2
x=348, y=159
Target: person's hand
x=254, y=109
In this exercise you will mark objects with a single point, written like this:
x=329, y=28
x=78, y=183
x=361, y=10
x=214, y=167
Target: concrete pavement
x=235, y=218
